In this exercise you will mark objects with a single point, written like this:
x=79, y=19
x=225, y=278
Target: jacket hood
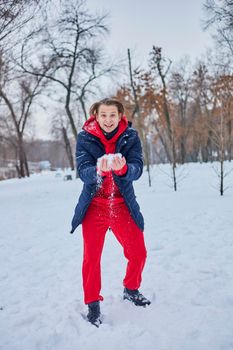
x=93, y=128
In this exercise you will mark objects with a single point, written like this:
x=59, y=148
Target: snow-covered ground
x=188, y=275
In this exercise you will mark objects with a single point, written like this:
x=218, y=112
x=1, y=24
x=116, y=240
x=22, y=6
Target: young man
x=109, y=159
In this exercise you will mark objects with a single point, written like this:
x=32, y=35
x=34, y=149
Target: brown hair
x=108, y=102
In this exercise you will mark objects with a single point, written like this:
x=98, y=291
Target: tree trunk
x=22, y=168
x=18, y=170
x=139, y=120
x=70, y=117
x=169, y=128
x=26, y=163
x=68, y=148
x=147, y=157
x=210, y=146
x=221, y=177
x=21, y=158
x=182, y=150
x=83, y=108
x=174, y=176
x=222, y=155
x=229, y=148
x=163, y=142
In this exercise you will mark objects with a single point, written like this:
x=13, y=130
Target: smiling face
x=108, y=117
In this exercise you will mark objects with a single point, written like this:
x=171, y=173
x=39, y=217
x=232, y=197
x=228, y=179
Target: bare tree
x=180, y=87
x=225, y=83
x=139, y=118
x=17, y=108
x=222, y=88
x=219, y=140
x=60, y=130
x=220, y=16
x=69, y=56
x=158, y=66
x=202, y=108
x=14, y=15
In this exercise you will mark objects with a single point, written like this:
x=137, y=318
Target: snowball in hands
x=109, y=160
x=110, y=157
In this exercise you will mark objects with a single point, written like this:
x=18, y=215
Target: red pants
x=95, y=224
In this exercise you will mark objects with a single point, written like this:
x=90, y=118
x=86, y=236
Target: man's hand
x=115, y=163
x=118, y=163
x=103, y=165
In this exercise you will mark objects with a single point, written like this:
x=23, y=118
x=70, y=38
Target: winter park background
x=188, y=275
x=171, y=64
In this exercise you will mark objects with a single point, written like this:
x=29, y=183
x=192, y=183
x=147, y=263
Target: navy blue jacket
x=89, y=149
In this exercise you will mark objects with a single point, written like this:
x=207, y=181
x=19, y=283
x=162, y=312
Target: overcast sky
x=174, y=25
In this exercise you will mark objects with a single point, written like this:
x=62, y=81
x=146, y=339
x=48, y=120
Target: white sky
x=176, y=26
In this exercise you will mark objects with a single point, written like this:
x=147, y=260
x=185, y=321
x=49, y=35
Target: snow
x=188, y=274
x=109, y=157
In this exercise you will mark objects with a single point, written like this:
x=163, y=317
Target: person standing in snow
x=109, y=159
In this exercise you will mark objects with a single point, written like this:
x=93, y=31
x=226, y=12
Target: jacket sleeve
x=86, y=163
x=134, y=160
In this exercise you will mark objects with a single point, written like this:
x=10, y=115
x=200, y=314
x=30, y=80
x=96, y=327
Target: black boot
x=136, y=297
x=94, y=315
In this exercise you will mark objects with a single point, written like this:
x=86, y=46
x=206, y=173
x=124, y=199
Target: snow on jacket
x=89, y=149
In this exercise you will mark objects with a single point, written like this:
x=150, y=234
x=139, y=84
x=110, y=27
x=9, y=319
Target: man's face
x=108, y=117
